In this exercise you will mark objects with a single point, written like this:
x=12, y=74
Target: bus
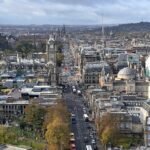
x=86, y=117
x=88, y=147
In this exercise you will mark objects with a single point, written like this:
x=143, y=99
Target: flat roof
x=14, y=102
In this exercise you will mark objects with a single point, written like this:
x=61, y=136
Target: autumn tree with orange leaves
x=109, y=128
x=57, y=123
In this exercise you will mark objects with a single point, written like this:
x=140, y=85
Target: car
x=84, y=110
x=72, y=147
x=89, y=127
x=74, y=90
x=91, y=135
x=72, y=134
x=86, y=140
x=95, y=147
x=72, y=140
x=79, y=92
x=93, y=141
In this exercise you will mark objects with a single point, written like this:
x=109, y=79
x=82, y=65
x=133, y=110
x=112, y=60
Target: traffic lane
x=70, y=106
x=81, y=130
x=81, y=127
x=75, y=103
x=77, y=137
x=83, y=124
x=92, y=130
x=75, y=127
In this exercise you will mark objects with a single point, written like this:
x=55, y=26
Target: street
x=85, y=132
x=81, y=129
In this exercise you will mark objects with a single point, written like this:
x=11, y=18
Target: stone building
x=128, y=80
x=91, y=72
x=51, y=59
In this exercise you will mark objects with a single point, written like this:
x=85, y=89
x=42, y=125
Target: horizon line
x=47, y=24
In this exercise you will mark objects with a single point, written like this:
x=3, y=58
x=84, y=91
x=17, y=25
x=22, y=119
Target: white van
x=86, y=117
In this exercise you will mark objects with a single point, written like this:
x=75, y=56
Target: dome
x=126, y=73
x=50, y=63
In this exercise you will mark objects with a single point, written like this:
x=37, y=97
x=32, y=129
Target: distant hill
x=131, y=27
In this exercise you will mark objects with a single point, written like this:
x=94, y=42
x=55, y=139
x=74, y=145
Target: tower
x=51, y=59
x=102, y=77
x=102, y=52
x=51, y=49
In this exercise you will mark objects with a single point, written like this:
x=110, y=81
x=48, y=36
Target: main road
x=81, y=129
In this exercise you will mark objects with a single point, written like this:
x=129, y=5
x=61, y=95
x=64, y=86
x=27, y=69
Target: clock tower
x=51, y=60
x=51, y=49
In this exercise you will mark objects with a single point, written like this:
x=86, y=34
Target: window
x=93, y=81
x=148, y=136
x=148, y=128
x=45, y=89
x=121, y=126
x=127, y=126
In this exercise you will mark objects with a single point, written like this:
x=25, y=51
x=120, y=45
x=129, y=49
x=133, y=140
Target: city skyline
x=73, y=12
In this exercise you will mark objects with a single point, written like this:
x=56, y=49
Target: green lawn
x=16, y=136
x=127, y=141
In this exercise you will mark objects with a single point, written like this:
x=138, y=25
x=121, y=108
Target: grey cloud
x=73, y=11
x=79, y=2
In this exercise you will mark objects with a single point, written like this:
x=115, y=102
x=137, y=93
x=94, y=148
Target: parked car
x=93, y=141
x=86, y=140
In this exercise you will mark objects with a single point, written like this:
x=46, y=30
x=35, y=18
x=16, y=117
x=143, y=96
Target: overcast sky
x=73, y=11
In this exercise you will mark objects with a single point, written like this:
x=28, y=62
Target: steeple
x=103, y=71
x=103, y=40
x=102, y=77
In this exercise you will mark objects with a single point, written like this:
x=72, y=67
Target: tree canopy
x=109, y=128
x=34, y=116
x=57, y=131
x=25, y=48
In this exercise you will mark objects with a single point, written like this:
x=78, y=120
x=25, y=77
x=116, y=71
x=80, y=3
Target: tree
x=25, y=48
x=59, y=45
x=59, y=53
x=109, y=128
x=57, y=126
x=34, y=116
x=57, y=133
x=59, y=58
x=4, y=43
x=59, y=110
x=42, y=47
x=3, y=132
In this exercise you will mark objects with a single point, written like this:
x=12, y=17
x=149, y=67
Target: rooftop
x=19, y=102
x=126, y=73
